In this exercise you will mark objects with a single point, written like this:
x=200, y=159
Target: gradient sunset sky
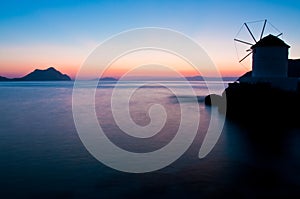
x=40, y=34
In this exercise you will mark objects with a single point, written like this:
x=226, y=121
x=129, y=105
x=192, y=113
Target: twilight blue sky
x=37, y=34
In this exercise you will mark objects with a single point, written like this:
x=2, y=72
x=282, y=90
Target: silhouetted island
x=4, y=79
x=201, y=78
x=50, y=74
x=108, y=79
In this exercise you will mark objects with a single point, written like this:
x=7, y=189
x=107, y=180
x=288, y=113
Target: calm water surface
x=41, y=155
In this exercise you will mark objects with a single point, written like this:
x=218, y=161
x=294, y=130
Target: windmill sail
x=255, y=31
x=245, y=57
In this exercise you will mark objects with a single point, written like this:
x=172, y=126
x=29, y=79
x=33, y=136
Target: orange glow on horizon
x=156, y=64
x=21, y=66
x=14, y=70
x=71, y=71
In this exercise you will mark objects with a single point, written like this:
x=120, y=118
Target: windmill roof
x=270, y=40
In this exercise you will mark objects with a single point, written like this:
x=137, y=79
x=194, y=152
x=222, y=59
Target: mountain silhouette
x=201, y=78
x=3, y=78
x=108, y=79
x=50, y=74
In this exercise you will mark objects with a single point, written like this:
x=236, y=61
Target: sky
x=39, y=34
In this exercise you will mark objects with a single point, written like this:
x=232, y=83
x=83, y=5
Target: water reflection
x=42, y=156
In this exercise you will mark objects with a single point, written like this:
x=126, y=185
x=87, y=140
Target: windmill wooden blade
x=245, y=57
x=250, y=32
x=244, y=42
x=263, y=30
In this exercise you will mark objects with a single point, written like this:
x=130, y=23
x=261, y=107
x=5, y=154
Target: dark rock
x=261, y=104
x=294, y=68
x=213, y=100
x=246, y=75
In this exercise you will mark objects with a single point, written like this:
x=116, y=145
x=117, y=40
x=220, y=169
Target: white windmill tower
x=269, y=59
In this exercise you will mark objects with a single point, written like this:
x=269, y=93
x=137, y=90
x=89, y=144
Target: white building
x=270, y=57
x=270, y=64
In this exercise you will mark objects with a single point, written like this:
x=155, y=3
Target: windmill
x=249, y=34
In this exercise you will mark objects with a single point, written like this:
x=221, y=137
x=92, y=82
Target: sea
x=42, y=154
